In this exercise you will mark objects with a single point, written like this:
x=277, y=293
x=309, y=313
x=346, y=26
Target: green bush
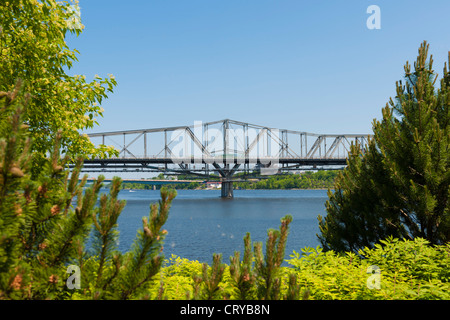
x=407, y=270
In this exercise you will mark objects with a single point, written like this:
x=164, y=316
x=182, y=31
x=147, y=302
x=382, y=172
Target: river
x=201, y=223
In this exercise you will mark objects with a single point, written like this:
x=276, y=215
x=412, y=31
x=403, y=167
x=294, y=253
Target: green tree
x=400, y=185
x=241, y=272
x=46, y=222
x=267, y=267
x=33, y=49
x=210, y=279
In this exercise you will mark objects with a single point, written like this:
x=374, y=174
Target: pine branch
x=105, y=222
x=145, y=259
x=211, y=277
x=267, y=267
x=242, y=272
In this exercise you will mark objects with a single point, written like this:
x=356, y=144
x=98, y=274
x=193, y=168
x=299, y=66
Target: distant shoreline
x=324, y=189
x=321, y=180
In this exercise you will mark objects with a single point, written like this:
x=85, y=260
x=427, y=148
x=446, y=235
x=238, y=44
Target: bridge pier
x=227, y=188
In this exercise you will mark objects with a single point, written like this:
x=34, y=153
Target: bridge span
x=219, y=149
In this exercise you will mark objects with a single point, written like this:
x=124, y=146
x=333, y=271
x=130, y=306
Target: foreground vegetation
x=407, y=270
x=399, y=185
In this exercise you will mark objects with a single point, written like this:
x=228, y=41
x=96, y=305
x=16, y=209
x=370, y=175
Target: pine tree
x=242, y=272
x=399, y=186
x=46, y=221
x=210, y=278
x=267, y=266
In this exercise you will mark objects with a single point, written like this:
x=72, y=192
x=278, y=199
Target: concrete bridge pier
x=226, y=178
x=227, y=188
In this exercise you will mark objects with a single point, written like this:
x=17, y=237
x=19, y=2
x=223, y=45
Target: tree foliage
x=399, y=186
x=33, y=49
x=406, y=270
x=307, y=180
x=46, y=222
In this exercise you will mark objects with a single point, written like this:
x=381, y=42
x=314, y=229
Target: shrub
x=407, y=270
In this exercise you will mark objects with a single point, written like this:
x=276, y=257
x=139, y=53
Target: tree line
x=306, y=180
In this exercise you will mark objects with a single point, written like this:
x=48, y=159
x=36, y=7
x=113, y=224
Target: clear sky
x=303, y=65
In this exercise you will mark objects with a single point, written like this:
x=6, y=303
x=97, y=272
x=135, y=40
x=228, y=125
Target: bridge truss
x=219, y=149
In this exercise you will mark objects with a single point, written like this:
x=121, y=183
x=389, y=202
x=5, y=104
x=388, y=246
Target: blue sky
x=303, y=65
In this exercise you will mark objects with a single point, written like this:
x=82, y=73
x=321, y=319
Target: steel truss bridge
x=219, y=149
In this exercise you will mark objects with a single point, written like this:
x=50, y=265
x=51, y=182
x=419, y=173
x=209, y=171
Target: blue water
x=200, y=223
